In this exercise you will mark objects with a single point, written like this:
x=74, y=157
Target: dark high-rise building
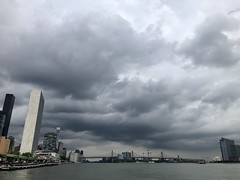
x=228, y=150
x=50, y=141
x=58, y=132
x=7, y=111
x=2, y=120
x=17, y=148
x=12, y=143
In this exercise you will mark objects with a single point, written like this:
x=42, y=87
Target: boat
x=202, y=161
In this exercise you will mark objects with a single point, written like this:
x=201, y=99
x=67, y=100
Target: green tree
x=27, y=154
x=14, y=152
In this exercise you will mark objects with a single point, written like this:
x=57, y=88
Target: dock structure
x=9, y=167
x=10, y=162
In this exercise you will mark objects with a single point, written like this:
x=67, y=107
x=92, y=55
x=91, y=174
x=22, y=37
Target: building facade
x=228, y=150
x=33, y=122
x=76, y=156
x=50, y=141
x=7, y=111
x=127, y=155
x=58, y=133
x=61, y=150
x=46, y=156
x=2, y=120
x=12, y=143
x=4, y=145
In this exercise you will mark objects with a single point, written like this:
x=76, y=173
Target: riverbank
x=10, y=167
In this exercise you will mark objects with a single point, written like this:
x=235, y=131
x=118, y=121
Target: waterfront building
x=7, y=111
x=50, y=141
x=216, y=159
x=64, y=154
x=12, y=143
x=33, y=122
x=60, y=146
x=61, y=150
x=46, y=155
x=17, y=148
x=237, y=150
x=76, y=156
x=120, y=156
x=82, y=158
x=4, y=145
x=2, y=120
x=228, y=150
x=127, y=155
x=58, y=133
x=40, y=147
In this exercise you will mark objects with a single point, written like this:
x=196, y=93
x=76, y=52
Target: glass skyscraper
x=2, y=120
x=50, y=141
x=228, y=150
x=7, y=111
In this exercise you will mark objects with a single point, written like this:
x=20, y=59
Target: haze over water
x=123, y=171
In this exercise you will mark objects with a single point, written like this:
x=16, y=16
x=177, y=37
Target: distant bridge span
x=134, y=155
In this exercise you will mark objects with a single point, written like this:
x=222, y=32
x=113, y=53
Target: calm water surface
x=127, y=171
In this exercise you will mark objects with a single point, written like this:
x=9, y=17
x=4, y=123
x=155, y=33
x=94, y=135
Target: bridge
x=148, y=155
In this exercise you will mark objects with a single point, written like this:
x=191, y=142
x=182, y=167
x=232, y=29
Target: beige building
x=33, y=122
x=4, y=145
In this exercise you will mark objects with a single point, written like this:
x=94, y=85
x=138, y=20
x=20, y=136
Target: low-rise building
x=4, y=145
x=76, y=156
x=46, y=155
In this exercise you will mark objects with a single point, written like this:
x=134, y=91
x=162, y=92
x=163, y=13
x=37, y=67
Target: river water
x=128, y=171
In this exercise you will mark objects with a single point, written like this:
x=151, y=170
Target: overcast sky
x=125, y=75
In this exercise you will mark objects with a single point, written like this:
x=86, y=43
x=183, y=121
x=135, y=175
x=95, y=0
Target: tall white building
x=33, y=122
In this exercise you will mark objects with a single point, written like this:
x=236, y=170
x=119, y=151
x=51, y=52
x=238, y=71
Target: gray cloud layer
x=210, y=46
x=102, y=76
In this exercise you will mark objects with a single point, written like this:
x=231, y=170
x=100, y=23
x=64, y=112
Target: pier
x=9, y=167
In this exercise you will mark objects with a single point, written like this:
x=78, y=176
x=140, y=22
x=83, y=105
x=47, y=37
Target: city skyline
x=125, y=75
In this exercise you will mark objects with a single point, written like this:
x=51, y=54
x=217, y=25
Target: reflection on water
x=19, y=174
x=22, y=174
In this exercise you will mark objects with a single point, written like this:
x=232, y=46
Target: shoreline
x=11, y=167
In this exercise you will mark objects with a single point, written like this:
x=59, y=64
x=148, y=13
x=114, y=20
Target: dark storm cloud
x=76, y=61
x=155, y=112
x=155, y=125
x=77, y=58
x=139, y=97
x=210, y=46
x=120, y=132
x=70, y=106
x=157, y=131
x=189, y=144
x=110, y=127
x=223, y=95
